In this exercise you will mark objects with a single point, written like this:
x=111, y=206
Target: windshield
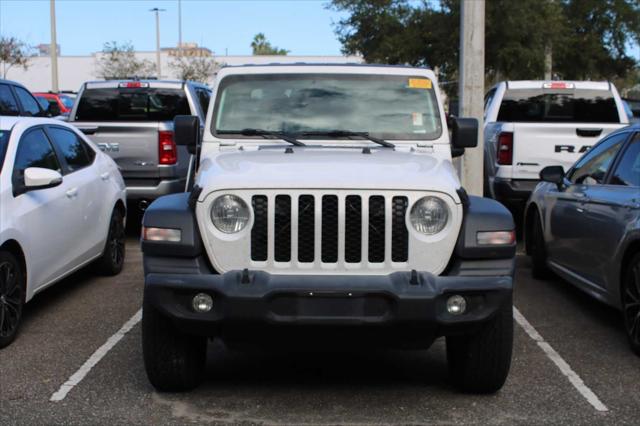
x=389, y=107
x=66, y=101
x=135, y=104
x=4, y=142
x=566, y=106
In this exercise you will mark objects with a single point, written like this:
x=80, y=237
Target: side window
x=29, y=103
x=628, y=171
x=34, y=150
x=8, y=104
x=204, y=97
x=488, y=98
x=593, y=167
x=72, y=148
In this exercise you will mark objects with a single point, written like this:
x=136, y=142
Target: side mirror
x=464, y=134
x=39, y=178
x=186, y=130
x=553, y=174
x=53, y=110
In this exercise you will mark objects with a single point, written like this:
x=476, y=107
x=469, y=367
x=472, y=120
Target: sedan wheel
x=631, y=302
x=112, y=258
x=11, y=298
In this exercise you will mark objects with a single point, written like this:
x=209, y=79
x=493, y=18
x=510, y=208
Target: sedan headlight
x=429, y=215
x=229, y=214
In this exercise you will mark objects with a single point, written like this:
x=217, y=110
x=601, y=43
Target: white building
x=75, y=70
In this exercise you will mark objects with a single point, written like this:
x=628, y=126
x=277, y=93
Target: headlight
x=429, y=215
x=229, y=214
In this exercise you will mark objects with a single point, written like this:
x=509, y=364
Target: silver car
x=584, y=225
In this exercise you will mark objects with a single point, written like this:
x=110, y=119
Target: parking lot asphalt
x=66, y=324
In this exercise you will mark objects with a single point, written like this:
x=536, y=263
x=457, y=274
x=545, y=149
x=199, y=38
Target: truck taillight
x=505, y=149
x=168, y=153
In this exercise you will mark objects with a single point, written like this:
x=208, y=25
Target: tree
x=261, y=46
x=13, y=52
x=119, y=61
x=588, y=38
x=199, y=68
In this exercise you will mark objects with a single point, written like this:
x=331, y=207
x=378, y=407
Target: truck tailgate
x=133, y=145
x=537, y=145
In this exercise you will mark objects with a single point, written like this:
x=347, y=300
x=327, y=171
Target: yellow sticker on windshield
x=419, y=83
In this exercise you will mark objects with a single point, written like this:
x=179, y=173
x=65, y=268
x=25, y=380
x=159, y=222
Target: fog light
x=202, y=302
x=456, y=305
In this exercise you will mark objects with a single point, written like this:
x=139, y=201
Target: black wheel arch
x=14, y=247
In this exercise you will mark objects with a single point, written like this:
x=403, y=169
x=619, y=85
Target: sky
x=305, y=27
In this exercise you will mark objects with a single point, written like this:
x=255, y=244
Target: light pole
x=157, y=12
x=53, y=48
x=471, y=84
x=180, y=28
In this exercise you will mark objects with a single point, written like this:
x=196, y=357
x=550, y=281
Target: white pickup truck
x=533, y=124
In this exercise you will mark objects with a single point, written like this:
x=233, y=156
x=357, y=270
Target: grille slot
x=376, y=229
x=282, y=229
x=329, y=229
x=259, y=232
x=399, y=232
x=353, y=229
x=306, y=228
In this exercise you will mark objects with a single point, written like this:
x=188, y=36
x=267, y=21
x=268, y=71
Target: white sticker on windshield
x=417, y=119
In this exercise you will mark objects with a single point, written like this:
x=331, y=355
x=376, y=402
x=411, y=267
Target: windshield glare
x=390, y=107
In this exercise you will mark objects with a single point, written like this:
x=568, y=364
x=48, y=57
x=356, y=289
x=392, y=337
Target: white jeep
x=326, y=211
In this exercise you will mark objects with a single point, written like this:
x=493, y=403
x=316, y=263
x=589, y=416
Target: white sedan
x=62, y=206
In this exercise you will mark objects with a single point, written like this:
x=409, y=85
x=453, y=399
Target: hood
x=327, y=168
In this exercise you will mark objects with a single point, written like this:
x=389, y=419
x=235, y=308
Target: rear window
x=558, y=106
x=136, y=104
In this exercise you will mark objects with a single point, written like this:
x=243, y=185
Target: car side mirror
x=53, y=110
x=39, y=178
x=553, y=174
x=186, y=130
x=464, y=134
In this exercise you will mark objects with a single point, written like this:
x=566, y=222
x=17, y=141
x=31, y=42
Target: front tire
x=112, y=259
x=174, y=361
x=631, y=302
x=480, y=362
x=12, y=297
x=538, y=249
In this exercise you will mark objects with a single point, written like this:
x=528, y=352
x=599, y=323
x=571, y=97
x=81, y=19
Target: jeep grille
x=320, y=216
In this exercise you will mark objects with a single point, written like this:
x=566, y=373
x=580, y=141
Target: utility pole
x=472, y=88
x=54, y=48
x=548, y=62
x=180, y=28
x=157, y=12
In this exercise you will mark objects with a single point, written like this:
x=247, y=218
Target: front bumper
x=255, y=298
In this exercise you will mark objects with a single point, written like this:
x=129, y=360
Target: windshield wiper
x=264, y=133
x=348, y=133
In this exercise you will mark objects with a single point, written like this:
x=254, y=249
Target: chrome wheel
x=11, y=298
x=631, y=303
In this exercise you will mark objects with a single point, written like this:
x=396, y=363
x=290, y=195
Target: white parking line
x=77, y=377
x=562, y=365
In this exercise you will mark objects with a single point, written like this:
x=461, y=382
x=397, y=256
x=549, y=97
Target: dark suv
x=15, y=99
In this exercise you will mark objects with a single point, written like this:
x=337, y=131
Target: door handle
x=104, y=176
x=88, y=130
x=72, y=193
x=588, y=133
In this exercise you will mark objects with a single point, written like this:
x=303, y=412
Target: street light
x=157, y=12
x=53, y=49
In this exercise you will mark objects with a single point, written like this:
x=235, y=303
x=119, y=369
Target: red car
x=65, y=102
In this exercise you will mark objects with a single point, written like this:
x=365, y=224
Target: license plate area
x=330, y=305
